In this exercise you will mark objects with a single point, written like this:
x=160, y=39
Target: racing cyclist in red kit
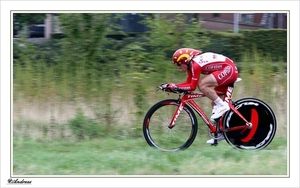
x=220, y=70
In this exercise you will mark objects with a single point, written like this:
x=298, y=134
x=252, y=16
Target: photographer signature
x=17, y=181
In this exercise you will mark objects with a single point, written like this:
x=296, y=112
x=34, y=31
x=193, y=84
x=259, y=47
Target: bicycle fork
x=175, y=116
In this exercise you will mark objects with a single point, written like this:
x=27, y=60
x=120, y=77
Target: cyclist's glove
x=168, y=87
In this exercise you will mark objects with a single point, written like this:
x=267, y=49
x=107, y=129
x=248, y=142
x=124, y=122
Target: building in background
x=252, y=21
x=211, y=21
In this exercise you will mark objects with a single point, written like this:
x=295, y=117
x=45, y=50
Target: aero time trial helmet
x=182, y=55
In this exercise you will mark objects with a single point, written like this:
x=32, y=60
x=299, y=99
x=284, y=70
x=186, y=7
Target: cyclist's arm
x=192, y=79
x=188, y=78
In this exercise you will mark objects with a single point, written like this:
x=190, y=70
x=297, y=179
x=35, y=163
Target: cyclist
x=220, y=71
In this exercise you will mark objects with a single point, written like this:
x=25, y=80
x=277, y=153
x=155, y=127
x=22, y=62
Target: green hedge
x=225, y=43
x=271, y=42
x=268, y=42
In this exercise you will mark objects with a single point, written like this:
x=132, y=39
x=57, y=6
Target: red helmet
x=182, y=55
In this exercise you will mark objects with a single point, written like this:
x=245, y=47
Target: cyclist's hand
x=168, y=87
x=171, y=87
x=163, y=86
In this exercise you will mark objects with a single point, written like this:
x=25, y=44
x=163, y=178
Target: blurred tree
x=168, y=32
x=26, y=18
x=85, y=36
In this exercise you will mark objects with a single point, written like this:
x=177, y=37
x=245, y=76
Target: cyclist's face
x=183, y=67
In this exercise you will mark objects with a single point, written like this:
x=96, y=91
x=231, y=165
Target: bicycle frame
x=188, y=98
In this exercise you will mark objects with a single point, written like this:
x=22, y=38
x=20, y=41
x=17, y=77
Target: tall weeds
x=113, y=82
x=113, y=101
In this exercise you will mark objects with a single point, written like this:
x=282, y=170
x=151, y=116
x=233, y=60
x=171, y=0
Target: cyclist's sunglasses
x=178, y=63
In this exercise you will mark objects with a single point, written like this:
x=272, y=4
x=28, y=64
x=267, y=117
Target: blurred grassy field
x=132, y=156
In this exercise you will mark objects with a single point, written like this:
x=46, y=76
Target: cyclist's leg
x=221, y=91
x=224, y=77
x=220, y=106
x=219, y=79
x=206, y=85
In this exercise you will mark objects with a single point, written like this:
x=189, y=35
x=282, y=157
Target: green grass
x=132, y=156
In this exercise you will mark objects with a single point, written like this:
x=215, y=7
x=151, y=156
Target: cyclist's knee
x=203, y=87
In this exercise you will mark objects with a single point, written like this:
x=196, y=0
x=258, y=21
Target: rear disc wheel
x=263, y=127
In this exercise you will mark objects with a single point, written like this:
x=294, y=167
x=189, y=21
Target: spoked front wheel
x=263, y=127
x=159, y=135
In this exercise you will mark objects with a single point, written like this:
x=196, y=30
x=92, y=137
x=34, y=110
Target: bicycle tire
x=263, y=129
x=159, y=135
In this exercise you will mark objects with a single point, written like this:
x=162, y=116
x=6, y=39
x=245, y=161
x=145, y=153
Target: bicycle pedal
x=217, y=120
x=214, y=144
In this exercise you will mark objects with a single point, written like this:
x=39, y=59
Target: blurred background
x=81, y=77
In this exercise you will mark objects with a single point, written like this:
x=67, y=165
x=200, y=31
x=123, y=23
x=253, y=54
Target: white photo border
x=152, y=6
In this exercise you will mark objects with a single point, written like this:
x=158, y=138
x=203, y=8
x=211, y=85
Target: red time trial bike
x=171, y=124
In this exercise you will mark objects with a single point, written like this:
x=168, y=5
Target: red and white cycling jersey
x=220, y=66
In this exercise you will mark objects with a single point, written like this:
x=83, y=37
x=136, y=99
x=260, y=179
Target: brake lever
x=163, y=89
x=159, y=88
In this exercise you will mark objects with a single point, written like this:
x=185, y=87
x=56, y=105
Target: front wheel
x=159, y=135
x=263, y=125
